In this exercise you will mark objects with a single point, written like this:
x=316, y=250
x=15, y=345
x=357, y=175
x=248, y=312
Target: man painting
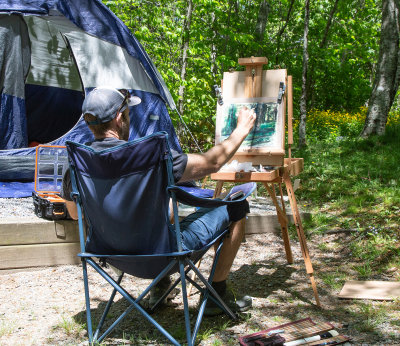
x=106, y=112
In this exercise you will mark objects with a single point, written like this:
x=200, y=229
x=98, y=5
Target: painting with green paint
x=267, y=131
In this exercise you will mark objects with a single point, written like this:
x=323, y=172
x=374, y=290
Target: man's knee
x=238, y=211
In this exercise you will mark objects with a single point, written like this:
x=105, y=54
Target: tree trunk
x=214, y=67
x=281, y=31
x=328, y=25
x=185, y=48
x=386, y=80
x=322, y=45
x=262, y=20
x=303, y=98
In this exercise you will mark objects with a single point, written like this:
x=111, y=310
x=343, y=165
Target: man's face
x=124, y=129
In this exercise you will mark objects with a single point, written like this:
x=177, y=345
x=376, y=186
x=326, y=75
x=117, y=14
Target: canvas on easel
x=268, y=130
x=258, y=89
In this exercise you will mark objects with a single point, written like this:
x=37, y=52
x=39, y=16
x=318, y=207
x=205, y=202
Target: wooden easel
x=279, y=174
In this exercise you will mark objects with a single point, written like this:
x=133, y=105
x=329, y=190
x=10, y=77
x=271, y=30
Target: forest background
x=334, y=49
x=344, y=59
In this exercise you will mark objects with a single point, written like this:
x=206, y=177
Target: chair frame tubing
x=208, y=292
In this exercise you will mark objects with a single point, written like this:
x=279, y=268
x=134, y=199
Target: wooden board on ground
x=377, y=290
x=297, y=330
x=24, y=256
x=37, y=231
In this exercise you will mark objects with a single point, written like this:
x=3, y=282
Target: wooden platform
x=34, y=242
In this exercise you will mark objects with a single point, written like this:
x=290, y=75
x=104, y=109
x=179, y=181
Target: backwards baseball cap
x=104, y=103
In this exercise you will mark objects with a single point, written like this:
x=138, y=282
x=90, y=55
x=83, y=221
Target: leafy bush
x=329, y=125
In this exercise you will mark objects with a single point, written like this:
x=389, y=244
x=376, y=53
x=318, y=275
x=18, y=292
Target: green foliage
x=341, y=69
x=333, y=125
x=353, y=184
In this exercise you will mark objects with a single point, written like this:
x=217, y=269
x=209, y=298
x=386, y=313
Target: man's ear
x=119, y=118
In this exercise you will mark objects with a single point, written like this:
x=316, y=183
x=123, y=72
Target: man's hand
x=246, y=120
x=200, y=165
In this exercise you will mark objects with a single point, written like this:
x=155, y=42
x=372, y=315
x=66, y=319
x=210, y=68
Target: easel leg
x=218, y=188
x=283, y=221
x=300, y=233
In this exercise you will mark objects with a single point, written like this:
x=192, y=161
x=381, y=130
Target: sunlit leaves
x=340, y=71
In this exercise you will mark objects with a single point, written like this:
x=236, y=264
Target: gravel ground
x=45, y=306
x=23, y=207
x=16, y=207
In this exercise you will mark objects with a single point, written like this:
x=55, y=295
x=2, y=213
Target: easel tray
x=295, y=166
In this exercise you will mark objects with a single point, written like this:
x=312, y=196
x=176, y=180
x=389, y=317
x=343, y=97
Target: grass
x=6, y=328
x=71, y=327
x=353, y=185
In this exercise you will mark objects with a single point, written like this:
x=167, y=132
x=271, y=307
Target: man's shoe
x=158, y=290
x=236, y=304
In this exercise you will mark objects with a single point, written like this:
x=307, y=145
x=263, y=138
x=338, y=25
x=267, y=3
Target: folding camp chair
x=122, y=197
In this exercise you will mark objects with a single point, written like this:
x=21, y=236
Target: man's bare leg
x=227, y=256
x=229, y=250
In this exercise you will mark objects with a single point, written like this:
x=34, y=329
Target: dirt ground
x=45, y=306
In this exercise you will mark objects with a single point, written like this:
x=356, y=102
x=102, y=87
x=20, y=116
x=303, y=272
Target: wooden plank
x=290, y=109
x=377, y=290
x=246, y=176
x=263, y=151
x=296, y=165
x=25, y=256
x=234, y=83
x=21, y=231
x=253, y=81
x=265, y=159
x=254, y=60
x=256, y=224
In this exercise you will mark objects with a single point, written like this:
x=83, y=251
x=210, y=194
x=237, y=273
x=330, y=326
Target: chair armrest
x=183, y=196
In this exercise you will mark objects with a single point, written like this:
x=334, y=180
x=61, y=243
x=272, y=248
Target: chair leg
x=185, y=302
x=133, y=304
x=87, y=299
x=108, y=306
x=214, y=297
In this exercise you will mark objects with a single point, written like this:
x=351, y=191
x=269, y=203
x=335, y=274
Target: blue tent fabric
x=24, y=120
x=16, y=189
x=13, y=119
x=42, y=102
x=95, y=18
x=15, y=58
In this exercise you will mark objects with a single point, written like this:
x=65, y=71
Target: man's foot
x=235, y=303
x=158, y=290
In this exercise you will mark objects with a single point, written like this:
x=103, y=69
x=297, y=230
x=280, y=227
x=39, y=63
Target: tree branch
x=328, y=24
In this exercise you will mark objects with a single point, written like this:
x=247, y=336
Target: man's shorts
x=204, y=225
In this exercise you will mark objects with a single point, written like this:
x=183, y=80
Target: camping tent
x=52, y=52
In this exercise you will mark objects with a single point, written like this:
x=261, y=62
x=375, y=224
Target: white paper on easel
x=268, y=130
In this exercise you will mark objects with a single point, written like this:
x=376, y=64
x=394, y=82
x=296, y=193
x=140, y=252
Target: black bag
x=50, y=206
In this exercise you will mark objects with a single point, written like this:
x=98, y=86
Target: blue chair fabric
x=122, y=197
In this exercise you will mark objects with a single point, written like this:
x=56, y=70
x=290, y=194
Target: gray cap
x=105, y=102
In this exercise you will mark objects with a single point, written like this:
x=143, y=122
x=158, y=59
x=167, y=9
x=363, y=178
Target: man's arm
x=72, y=209
x=66, y=194
x=200, y=165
